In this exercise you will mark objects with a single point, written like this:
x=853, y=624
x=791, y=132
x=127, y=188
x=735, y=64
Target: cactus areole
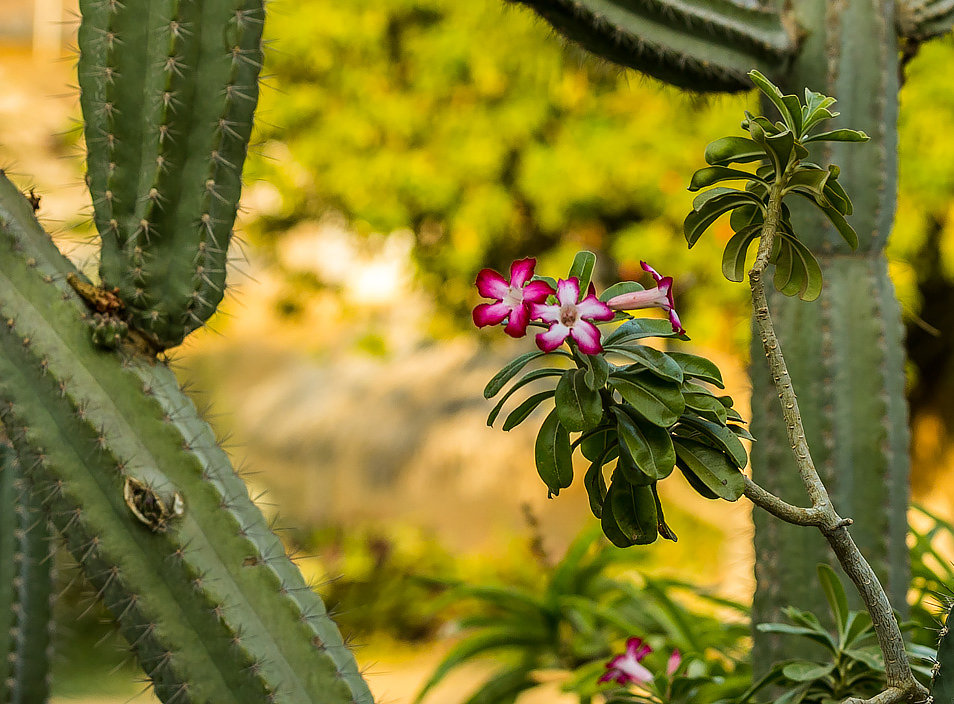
x=850, y=386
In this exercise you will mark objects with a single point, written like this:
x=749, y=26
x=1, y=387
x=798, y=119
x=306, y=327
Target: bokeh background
x=402, y=146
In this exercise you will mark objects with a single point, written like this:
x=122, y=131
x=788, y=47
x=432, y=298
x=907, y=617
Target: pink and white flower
x=659, y=297
x=675, y=659
x=626, y=668
x=569, y=318
x=513, y=299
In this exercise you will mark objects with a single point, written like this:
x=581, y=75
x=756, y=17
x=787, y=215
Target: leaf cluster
x=639, y=413
x=855, y=664
x=780, y=148
x=573, y=623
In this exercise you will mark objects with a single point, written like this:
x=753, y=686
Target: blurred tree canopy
x=470, y=124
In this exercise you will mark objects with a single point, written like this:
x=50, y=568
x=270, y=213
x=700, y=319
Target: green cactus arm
x=210, y=603
x=25, y=592
x=702, y=45
x=168, y=91
x=942, y=684
x=920, y=20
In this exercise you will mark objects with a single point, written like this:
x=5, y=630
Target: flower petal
x=548, y=313
x=552, y=338
x=593, y=308
x=636, y=673
x=517, y=325
x=674, y=660
x=568, y=291
x=635, y=648
x=490, y=313
x=675, y=322
x=537, y=292
x=521, y=271
x=652, y=272
x=587, y=336
x=490, y=284
x=650, y=298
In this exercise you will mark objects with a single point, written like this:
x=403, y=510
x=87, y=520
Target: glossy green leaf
x=698, y=221
x=593, y=445
x=838, y=197
x=653, y=361
x=804, y=671
x=812, y=287
x=659, y=402
x=733, y=150
x=811, y=182
x=553, y=456
x=745, y=215
x=780, y=147
x=639, y=328
x=698, y=368
x=662, y=527
x=618, y=289
x=835, y=594
x=597, y=371
x=633, y=509
x=721, y=437
x=582, y=269
x=711, y=175
x=595, y=484
x=648, y=445
x=508, y=372
x=771, y=91
x=578, y=406
x=524, y=380
x=523, y=411
x=711, y=467
x=842, y=135
x=844, y=229
x=608, y=522
x=733, y=257
x=699, y=399
x=789, y=273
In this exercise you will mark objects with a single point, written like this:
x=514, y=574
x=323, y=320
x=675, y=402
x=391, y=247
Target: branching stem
x=902, y=686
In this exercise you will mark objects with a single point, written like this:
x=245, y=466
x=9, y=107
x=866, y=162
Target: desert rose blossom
x=626, y=668
x=569, y=318
x=659, y=297
x=513, y=298
x=674, y=661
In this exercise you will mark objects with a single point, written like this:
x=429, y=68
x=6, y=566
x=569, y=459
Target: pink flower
x=659, y=297
x=568, y=318
x=625, y=668
x=674, y=660
x=513, y=299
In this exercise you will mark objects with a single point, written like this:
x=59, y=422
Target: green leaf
x=608, y=522
x=659, y=402
x=729, y=150
x=835, y=594
x=633, y=509
x=637, y=329
x=711, y=467
x=771, y=91
x=509, y=371
x=504, y=686
x=843, y=135
x=733, y=258
x=810, y=181
x=593, y=446
x=698, y=221
x=595, y=485
x=661, y=526
x=711, y=175
x=721, y=436
x=597, y=371
x=844, y=229
x=618, y=289
x=524, y=380
x=653, y=361
x=789, y=274
x=553, y=456
x=582, y=269
x=838, y=197
x=812, y=287
x=698, y=368
x=649, y=446
x=704, y=403
x=578, y=406
x=523, y=411
x=480, y=643
x=780, y=147
x=803, y=671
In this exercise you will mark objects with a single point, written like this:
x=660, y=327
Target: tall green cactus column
x=846, y=353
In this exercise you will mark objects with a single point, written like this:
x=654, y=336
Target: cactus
x=25, y=554
x=855, y=411
x=942, y=683
x=111, y=450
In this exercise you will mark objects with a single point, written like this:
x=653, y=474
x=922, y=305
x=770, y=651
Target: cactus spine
x=855, y=413
x=26, y=558
x=942, y=684
x=201, y=587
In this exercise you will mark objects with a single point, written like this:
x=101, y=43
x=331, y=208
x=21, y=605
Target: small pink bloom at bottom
x=674, y=660
x=625, y=668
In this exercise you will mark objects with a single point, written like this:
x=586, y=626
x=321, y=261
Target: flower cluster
x=523, y=299
x=627, y=668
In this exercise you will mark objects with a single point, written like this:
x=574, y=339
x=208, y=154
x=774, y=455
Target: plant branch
x=902, y=687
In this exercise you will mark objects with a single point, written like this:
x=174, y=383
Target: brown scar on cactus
x=110, y=321
x=149, y=507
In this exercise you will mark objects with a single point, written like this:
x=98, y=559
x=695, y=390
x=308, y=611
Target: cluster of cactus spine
x=855, y=413
x=942, y=684
x=106, y=443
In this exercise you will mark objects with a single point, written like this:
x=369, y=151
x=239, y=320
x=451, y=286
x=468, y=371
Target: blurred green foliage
x=472, y=125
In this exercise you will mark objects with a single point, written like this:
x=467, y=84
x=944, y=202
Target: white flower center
x=514, y=297
x=568, y=314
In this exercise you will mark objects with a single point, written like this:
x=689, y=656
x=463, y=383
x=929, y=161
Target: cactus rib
x=942, y=684
x=25, y=599
x=209, y=601
x=702, y=45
